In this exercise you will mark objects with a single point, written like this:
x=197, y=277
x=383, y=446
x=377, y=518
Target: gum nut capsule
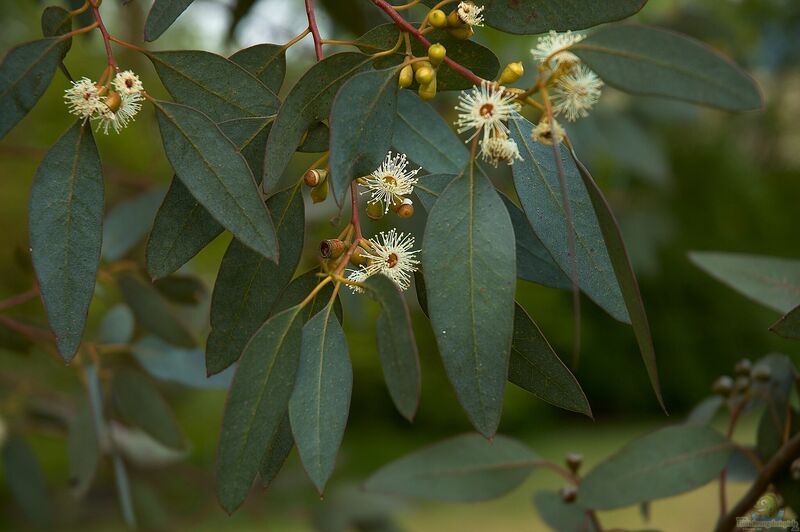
x=743, y=367
x=762, y=373
x=464, y=32
x=375, y=210
x=314, y=177
x=358, y=258
x=406, y=77
x=723, y=386
x=332, y=248
x=453, y=20
x=424, y=75
x=113, y=101
x=574, y=461
x=405, y=209
x=437, y=18
x=568, y=493
x=437, y=53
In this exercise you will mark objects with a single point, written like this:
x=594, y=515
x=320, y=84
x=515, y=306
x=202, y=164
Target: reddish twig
x=312, y=25
x=19, y=299
x=104, y=32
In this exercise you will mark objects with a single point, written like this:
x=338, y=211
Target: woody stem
x=104, y=32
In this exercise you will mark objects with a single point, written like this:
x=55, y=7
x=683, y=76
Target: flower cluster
x=391, y=182
x=389, y=254
x=470, y=14
x=111, y=106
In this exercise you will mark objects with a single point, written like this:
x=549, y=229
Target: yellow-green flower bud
x=113, y=101
x=405, y=208
x=358, y=258
x=462, y=32
x=320, y=192
x=421, y=64
x=437, y=18
x=428, y=91
x=406, y=77
x=436, y=53
x=375, y=210
x=511, y=73
x=453, y=20
x=424, y=75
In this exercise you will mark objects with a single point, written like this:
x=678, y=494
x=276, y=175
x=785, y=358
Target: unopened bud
x=463, y=32
x=723, y=386
x=743, y=367
x=113, y=101
x=375, y=210
x=406, y=77
x=574, y=461
x=511, y=73
x=416, y=65
x=436, y=54
x=314, y=177
x=437, y=18
x=424, y=75
x=762, y=373
x=453, y=20
x=332, y=249
x=320, y=192
x=742, y=384
x=358, y=258
x=568, y=494
x=428, y=91
x=405, y=209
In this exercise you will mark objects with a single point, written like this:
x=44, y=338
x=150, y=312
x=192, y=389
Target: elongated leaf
x=267, y=62
x=278, y=449
x=168, y=363
x=461, y=469
x=83, y=451
x=248, y=285
x=257, y=402
x=26, y=481
x=57, y=21
x=184, y=289
x=316, y=139
x=183, y=226
x=128, y=223
x=469, y=267
x=535, y=367
x=153, y=312
x=297, y=291
x=25, y=73
x=653, y=61
x=65, y=223
x=216, y=175
x=308, y=102
x=773, y=282
x=161, y=16
x=626, y=277
x=362, y=122
x=426, y=138
x=139, y=403
x=704, y=411
x=320, y=402
x=562, y=516
x=789, y=325
x=537, y=183
x=396, y=345
x=661, y=464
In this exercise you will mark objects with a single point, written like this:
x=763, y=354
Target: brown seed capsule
x=405, y=209
x=437, y=18
x=314, y=177
x=574, y=461
x=428, y=91
x=568, y=493
x=320, y=192
x=406, y=77
x=511, y=73
x=464, y=32
x=453, y=20
x=113, y=101
x=436, y=54
x=375, y=210
x=424, y=75
x=743, y=367
x=762, y=373
x=742, y=384
x=723, y=386
x=332, y=249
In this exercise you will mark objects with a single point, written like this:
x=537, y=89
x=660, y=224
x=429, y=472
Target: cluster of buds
x=112, y=105
x=460, y=21
x=740, y=389
x=389, y=186
x=423, y=72
x=317, y=180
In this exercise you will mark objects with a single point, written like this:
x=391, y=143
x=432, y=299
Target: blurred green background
x=680, y=178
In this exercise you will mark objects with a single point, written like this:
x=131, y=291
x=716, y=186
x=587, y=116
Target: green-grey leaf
x=216, y=175
x=561, y=516
x=774, y=282
x=537, y=183
x=663, y=463
x=57, y=21
x=257, y=403
x=320, y=403
x=25, y=73
x=317, y=139
x=267, y=62
x=704, y=411
x=362, y=122
x=83, y=450
x=161, y=16
x=623, y=269
x=426, y=138
x=139, y=403
x=117, y=325
x=469, y=267
x=653, y=61
x=308, y=102
x=278, y=449
x=538, y=16
x=153, y=312
x=535, y=367
x=168, y=363
x=183, y=226
x=184, y=289
x=789, y=325
x=128, y=222
x=396, y=345
x=248, y=285
x=222, y=89
x=25, y=479
x=297, y=291
x=65, y=223
x=462, y=469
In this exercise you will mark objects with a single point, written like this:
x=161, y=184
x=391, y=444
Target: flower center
x=486, y=110
x=389, y=180
x=391, y=261
x=129, y=83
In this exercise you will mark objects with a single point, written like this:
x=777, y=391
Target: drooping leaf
x=789, y=325
x=248, y=285
x=139, y=403
x=704, y=411
x=469, y=267
x=426, y=138
x=430, y=187
x=183, y=226
x=26, y=481
x=25, y=73
x=124, y=491
x=267, y=62
x=65, y=224
x=83, y=450
x=561, y=516
x=278, y=449
x=537, y=183
x=169, y=363
x=257, y=402
x=297, y=291
x=653, y=61
x=623, y=270
x=396, y=345
x=117, y=325
x=153, y=312
x=320, y=403
x=161, y=16
x=362, y=123
x=128, y=222
x=216, y=175
x=773, y=282
x=535, y=367
x=308, y=102
x=481, y=60
x=316, y=139
x=462, y=469
x=666, y=462
x=57, y=21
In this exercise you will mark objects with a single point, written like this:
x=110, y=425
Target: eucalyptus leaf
x=83, y=450
x=562, y=516
x=65, y=224
x=267, y=62
x=666, y=462
x=704, y=411
x=278, y=449
x=297, y=291
x=184, y=289
x=652, y=61
x=57, y=21
x=317, y=139
x=789, y=325
x=153, y=312
x=117, y=325
x=216, y=175
x=465, y=468
x=469, y=267
x=128, y=222
x=257, y=402
x=320, y=403
x=161, y=16
x=169, y=363
x=26, y=481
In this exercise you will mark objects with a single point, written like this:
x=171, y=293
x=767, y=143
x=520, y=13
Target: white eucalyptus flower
x=392, y=256
x=83, y=100
x=576, y=93
x=357, y=276
x=391, y=181
x=470, y=14
x=129, y=106
x=127, y=82
x=497, y=149
x=552, y=48
x=485, y=108
x=543, y=133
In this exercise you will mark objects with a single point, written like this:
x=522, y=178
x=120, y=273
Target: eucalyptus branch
x=106, y=37
x=19, y=299
x=312, y=25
